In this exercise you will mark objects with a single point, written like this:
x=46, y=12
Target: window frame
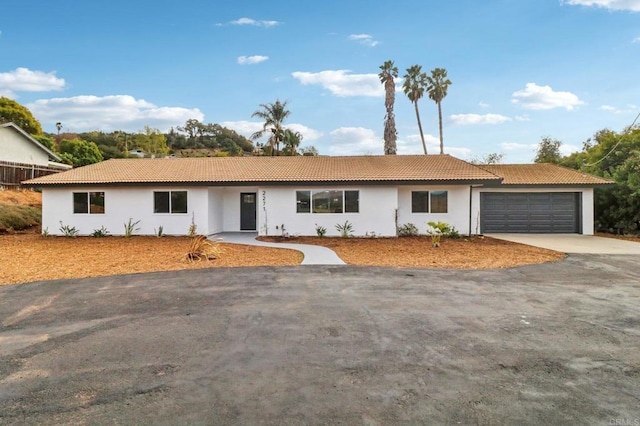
x=428, y=196
x=353, y=207
x=171, y=200
x=89, y=196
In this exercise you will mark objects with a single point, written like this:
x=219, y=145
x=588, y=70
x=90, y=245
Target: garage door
x=534, y=212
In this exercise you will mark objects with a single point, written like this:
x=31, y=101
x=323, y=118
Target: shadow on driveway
x=541, y=344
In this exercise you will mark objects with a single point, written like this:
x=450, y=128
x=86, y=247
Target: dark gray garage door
x=532, y=212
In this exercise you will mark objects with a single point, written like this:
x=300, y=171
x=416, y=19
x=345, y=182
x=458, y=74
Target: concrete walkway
x=573, y=243
x=313, y=255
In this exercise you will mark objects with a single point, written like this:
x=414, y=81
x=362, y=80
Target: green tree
x=80, y=152
x=415, y=83
x=152, y=142
x=291, y=141
x=274, y=115
x=309, y=151
x=438, y=86
x=46, y=140
x=491, y=158
x=548, y=151
x=11, y=111
x=388, y=72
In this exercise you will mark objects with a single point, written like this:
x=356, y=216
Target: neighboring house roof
x=27, y=136
x=542, y=174
x=253, y=170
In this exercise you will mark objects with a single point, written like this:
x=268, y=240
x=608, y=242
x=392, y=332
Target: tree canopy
x=12, y=111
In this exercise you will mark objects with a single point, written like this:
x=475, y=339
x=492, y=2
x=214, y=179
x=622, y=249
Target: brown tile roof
x=542, y=174
x=221, y=170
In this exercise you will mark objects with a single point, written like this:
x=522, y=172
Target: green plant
x=321, y=231
x=445, y=229
x=99, y=233
x=200, y=248
x=45, y=232
x=130, y=228
x=346, y=229
x=193, y=228
x=159, y=232
x=68, y=230
x=18, y=217
x=407, y=230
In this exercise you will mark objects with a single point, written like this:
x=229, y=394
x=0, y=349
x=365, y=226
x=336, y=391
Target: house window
x=438, y=201
x=303, y=201
x=328, y=201
x=88, y=202
x=429, y=202
x=170, y=202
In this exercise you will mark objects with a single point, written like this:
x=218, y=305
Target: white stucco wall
x=216, y=211
x=15, y=147
x=377, y=207
x=120, y=205
x=587, y=204
x=457, y=210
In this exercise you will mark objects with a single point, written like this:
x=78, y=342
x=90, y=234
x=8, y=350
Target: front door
x=248, y=211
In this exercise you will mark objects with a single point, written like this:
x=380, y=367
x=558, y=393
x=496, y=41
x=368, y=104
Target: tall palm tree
x=387, y=73
x=274, y=115
x=59, y=126
x=291, y=141
x=415, y=83
x=438, y=85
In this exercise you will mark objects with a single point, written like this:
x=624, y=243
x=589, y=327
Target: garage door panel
x=534, y=212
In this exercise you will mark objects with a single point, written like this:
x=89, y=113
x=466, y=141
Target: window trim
x=430, y=193
x=170, y=202
x=88, y=196
x=311, y=192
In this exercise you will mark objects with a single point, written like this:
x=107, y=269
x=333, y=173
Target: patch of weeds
x=99, y=233
x=130, y=228
x=407, y=230
x=346, y=229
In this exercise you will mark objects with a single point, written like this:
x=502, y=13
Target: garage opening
x=530, y=212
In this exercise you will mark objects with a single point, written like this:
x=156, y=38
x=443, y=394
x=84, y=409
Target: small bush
x=159, y=232
x=45, y=232
x=321, y=231
x=346, y=229
x=68, y=230
x=99, y=233
x=130, y=228
x=407, y=230
x=18, y=217
x=200, y=248
x=445, y=229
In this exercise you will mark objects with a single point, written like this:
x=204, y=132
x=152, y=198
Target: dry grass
x=23, y=198
x=31, y=257
x=633, y=238
x=467, y=253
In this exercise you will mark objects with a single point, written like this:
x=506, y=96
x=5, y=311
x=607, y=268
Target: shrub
x=321, y=231
x=99, y=233
x=407, y=230
x=45, y=232
x=346, y=229
x=68, y=230
x=200, y=248
x=445, y=229
x=159, y=232
x=18, y=217
x=130, y=228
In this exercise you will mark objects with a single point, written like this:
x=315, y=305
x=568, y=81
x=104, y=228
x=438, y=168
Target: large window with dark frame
x=429, y=202
x=328, y=201
x=88, y=202
x=174, y=202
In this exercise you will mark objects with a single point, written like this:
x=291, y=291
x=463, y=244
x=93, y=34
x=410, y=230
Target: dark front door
x=248, y=211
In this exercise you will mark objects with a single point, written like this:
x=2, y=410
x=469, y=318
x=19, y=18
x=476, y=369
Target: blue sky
x=521, y=69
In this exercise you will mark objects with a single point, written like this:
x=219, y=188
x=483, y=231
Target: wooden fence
x=12, y=174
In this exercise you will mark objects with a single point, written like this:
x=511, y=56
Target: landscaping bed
x=464, y=253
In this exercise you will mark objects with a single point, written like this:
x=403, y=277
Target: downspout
x=470, y=208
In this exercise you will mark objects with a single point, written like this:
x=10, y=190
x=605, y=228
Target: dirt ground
x=26, y=198
x=463, y=253
x=635, y=238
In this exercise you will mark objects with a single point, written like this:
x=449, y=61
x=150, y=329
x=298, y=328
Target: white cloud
x=355, y=141
x=412, y=144
x=247, y=128
x=25, y=80
x=108, y=113
x=483, y=105
x=471, y=119
x=250, y=60
x=513, y=146
x=365, y=39
x=566, y=149
x=342, y=83
x=630, y=108
x=255, y=23
x=631, y=5
x=543, y=97
x=523, y=117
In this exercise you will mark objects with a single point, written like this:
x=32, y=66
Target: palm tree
x=59, y=126
x=291, y=141
x=273, y=115
x=438, y=85
x=415, y=83
x=387, y=73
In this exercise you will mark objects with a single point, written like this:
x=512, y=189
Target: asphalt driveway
x=573, y=243
x=546, y=344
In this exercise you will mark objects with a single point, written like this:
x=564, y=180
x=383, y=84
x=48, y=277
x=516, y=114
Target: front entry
x=248, y=211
